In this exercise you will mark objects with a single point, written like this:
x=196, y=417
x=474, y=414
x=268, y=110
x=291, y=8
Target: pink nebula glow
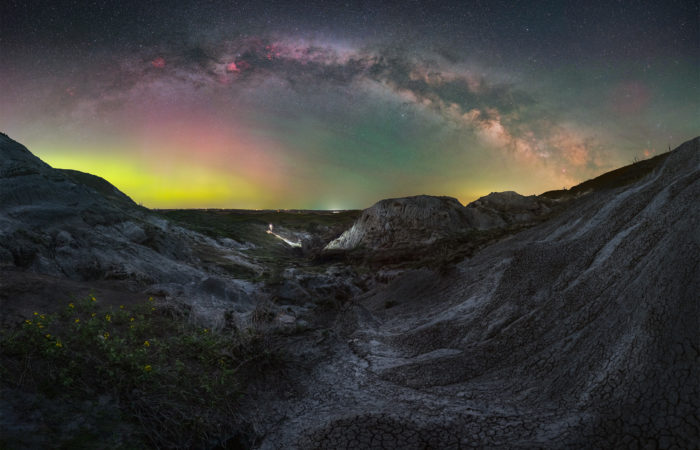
x=158, y=63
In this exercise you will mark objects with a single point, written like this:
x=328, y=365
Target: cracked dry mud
x=581, y=332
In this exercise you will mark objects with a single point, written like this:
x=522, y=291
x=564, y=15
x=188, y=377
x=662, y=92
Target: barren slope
x=69, y=225
x=581, y=331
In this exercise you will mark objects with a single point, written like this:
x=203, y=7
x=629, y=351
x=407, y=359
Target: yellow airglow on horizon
x=178, y=186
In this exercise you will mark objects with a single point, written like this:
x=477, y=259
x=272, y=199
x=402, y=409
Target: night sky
x=334, y=105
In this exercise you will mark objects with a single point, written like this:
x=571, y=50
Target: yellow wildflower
x=132, y=319
x=147, y=368
x=121, y=306
x=206, y=330
x=131, y=326
x=93, y=314
x=150, y=299
x=146, y=344
x=92, y=297
x=153, y=309
x=47, y=336
x=28, y=322
x=36, y=313
x=58, y=344
x=40, y=325
x=71, y=305
x=105, y=335
x=108, y=318
x=77, y=320
x=42, y=317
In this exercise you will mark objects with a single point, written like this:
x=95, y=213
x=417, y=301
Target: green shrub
x=176, y=382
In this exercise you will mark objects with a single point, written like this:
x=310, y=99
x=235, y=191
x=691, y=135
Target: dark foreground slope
x=63, y=229
x=580, y=332
x=575, y=325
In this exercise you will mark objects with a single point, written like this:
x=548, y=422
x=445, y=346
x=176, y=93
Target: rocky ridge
x=422, y=220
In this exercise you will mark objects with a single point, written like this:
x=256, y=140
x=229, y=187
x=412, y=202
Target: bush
x=176, y=382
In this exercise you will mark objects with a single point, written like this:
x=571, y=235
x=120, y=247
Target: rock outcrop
x=504, y=209
x=408, y=221
x=421, y=220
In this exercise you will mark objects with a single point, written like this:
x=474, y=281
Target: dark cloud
x=199, y=57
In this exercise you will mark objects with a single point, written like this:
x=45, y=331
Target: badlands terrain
x=564, y=320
